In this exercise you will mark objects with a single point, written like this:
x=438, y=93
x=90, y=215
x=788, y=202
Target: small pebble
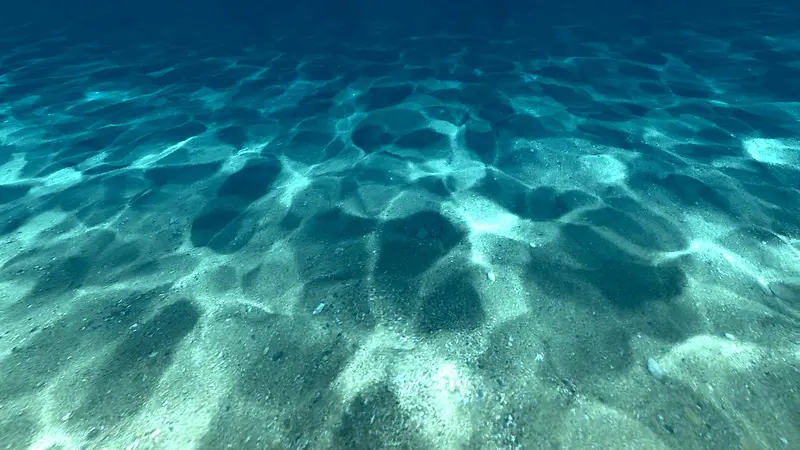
x=655, y=369
x=491, y=276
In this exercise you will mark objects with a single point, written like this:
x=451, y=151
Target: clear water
x=423, y=225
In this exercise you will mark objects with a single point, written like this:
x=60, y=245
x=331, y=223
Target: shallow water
x=422, y=225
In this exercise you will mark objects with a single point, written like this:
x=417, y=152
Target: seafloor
x=501, y=238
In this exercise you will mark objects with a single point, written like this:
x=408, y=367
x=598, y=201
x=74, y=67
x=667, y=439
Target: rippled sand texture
x=430, y=241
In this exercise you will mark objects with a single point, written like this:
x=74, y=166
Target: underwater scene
x=418, y=225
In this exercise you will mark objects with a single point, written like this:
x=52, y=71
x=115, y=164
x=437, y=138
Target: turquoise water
x=424, y=225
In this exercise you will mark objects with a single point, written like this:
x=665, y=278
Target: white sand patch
x=485, y=217
x=594, y=425
x=14, y=132
x=505, y=299
x=489, y=218
x=482, y=216
x=779, y=261
x=53, y=437
x=406, y=204
x=57, y=181
x=435, y=392
x=702, y=229
x=444, y=127
x=151, y=159
x=236, y=162
x=604, y=169
x=773, y=151
x=10, y=171
x=296, y=181
x=370, y=364
x=97, y=159
x=709, y=358
x=294, y=186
